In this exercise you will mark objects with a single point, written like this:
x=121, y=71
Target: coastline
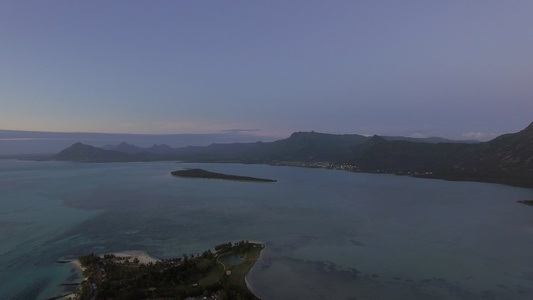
x=248, y=285
x=78, y=265
x=143, y=257
x=66, y=293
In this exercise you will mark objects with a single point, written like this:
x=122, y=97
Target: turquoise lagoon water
x=329, y=234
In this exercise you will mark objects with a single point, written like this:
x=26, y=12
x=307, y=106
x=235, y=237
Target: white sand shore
x=142, y=256
x=248, y=285
x=257, y=242
x=77, y=263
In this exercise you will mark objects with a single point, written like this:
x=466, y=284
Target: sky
x=455, y=69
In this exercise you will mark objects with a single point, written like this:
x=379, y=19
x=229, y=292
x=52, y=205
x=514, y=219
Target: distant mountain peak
x=128, y=148
x=87, y=153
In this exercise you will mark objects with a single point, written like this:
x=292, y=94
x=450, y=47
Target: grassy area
x=212, y=277
x=238, y=272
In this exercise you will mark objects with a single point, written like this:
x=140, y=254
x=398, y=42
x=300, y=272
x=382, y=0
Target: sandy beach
x=142, y=256
x=248, y=285
x=77, y=263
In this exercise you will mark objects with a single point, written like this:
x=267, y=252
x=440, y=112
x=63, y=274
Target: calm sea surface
x=329, y=234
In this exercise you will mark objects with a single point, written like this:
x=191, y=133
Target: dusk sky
x=456, y=69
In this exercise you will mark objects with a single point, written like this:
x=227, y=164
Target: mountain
x=506, y=159
x=310, y=146
x=403, y=156
x=160, y=149
x=16, y=142
x=509, y=151
x=132, y=149
x=86, y=153
x=124, y=153
x=431, y=140
x=300, y=147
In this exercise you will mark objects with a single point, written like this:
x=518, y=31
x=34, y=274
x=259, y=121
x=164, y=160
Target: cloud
x=476, y=136
x=418, y=135
x=240, y=130
x=193, y=127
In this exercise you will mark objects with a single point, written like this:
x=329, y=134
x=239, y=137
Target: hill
x=506, y=159
x=86, y=153
x=132, y=149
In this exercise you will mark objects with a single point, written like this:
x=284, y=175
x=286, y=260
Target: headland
x=219, y=274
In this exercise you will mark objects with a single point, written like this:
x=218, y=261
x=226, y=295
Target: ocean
x=329, y=234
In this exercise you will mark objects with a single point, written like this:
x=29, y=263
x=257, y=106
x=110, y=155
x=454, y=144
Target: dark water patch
x=231, y=259
x=357, y=243
x=34, y=289
x=73, y=277
x=503, y=287
x=528, y=275
x=12, y=227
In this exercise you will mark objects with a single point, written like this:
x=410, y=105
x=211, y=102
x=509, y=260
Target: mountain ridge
x=507, y=159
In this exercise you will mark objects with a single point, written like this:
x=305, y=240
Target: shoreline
x=143, y=257
x=248, y=285
x=76, y=262
x=66, y=293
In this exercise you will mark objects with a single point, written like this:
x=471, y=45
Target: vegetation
x=506, y=159
x=199, y=173
x=111, y=277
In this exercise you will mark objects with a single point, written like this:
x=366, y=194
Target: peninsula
x=200, y=173
x=218, y=274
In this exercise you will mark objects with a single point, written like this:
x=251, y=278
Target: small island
x=209, y=275
x=200, y=173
